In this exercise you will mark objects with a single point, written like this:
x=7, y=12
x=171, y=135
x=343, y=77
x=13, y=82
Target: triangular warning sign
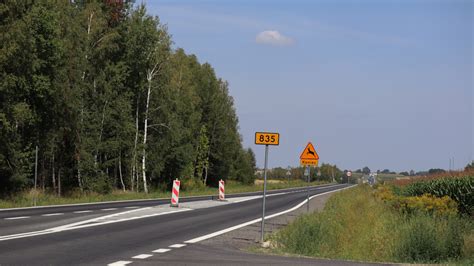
x=309, y=153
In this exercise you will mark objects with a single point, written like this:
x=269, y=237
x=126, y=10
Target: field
x=358, y=225
x=27, y=199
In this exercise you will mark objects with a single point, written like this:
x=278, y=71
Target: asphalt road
x=128, y=232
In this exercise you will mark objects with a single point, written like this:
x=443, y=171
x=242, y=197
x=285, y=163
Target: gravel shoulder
x=242, y=242
x=249, y=237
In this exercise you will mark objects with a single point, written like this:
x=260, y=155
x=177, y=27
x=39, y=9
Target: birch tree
x=151, y=53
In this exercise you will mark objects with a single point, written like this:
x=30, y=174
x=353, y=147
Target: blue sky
x=384, y=84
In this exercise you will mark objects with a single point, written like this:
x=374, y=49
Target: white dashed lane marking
x=177, y=246
x=17, y=218
x=161, y=250
x=132, y=207
x=142, y=256
x=119, y=263
x=83, y=211
x=53, y=214
x=109, y=209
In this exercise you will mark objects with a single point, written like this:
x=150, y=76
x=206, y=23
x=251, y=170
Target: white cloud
x=273, y=37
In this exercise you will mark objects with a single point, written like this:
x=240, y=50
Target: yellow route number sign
x=267, y=138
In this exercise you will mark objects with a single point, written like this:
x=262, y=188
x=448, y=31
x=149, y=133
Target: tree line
x=325, y=172
x=99, y=89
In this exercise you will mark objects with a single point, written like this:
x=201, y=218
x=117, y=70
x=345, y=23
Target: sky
x=383, y=84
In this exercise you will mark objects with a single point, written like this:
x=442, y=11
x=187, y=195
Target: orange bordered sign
x=267, y=138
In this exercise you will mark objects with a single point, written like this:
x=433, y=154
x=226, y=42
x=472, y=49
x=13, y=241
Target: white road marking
x=53, y=214
x=119, y=263
x=177, y=246
x=132, y=207
x=83, y=211
x=142, y=256
x=87, y=223
x=161, y=250
x=223, y=231
x=96, y=222
x=17, y=218
x=109, y=209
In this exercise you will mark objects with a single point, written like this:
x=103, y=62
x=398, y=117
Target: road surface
x=137, y=232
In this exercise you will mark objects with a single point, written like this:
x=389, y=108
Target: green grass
x=26, y=199
x=356, y=226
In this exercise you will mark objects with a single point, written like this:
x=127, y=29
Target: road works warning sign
x=309, y=156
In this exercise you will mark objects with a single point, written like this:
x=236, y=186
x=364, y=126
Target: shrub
x=192, y=184
x=425, y=203
x=429, y=204
x=459, y=189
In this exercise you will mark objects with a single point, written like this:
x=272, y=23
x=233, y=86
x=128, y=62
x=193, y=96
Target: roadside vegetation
x=427, y=221
x=27, y=199
x=95, y=92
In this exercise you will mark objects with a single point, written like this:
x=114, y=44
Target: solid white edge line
x=161, y=250
x=177, y=246
x=226, y=230
x=119, y=263
x=17, y=218
x=142, y=256
x=146, y=200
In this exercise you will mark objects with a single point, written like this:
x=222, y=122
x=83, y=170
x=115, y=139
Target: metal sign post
x=265, y=138
x=307, y=174
x=308, y=157
x=262, y=229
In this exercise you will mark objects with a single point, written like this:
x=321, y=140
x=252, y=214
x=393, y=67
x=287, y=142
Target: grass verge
x=356, y=226
x=26, y=199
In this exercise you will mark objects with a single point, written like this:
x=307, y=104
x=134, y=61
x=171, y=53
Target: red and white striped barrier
x=175, y=193
x=221, y=190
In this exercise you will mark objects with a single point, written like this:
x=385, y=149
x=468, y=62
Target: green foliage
x=366, y=170
x=436, y=171
x=355, y=225
x=425, y=239
x=469, y=167
x=425, y=204
x=459, y=189
x=80, y=79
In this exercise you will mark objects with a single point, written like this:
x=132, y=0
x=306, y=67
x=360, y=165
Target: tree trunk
x=43, y=181
x=145, y=130
x=53, y=177
x=59, y=182
x=134, y=156
x=120, y=171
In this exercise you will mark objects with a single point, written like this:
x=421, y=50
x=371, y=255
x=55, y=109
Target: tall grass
x=356, y=226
